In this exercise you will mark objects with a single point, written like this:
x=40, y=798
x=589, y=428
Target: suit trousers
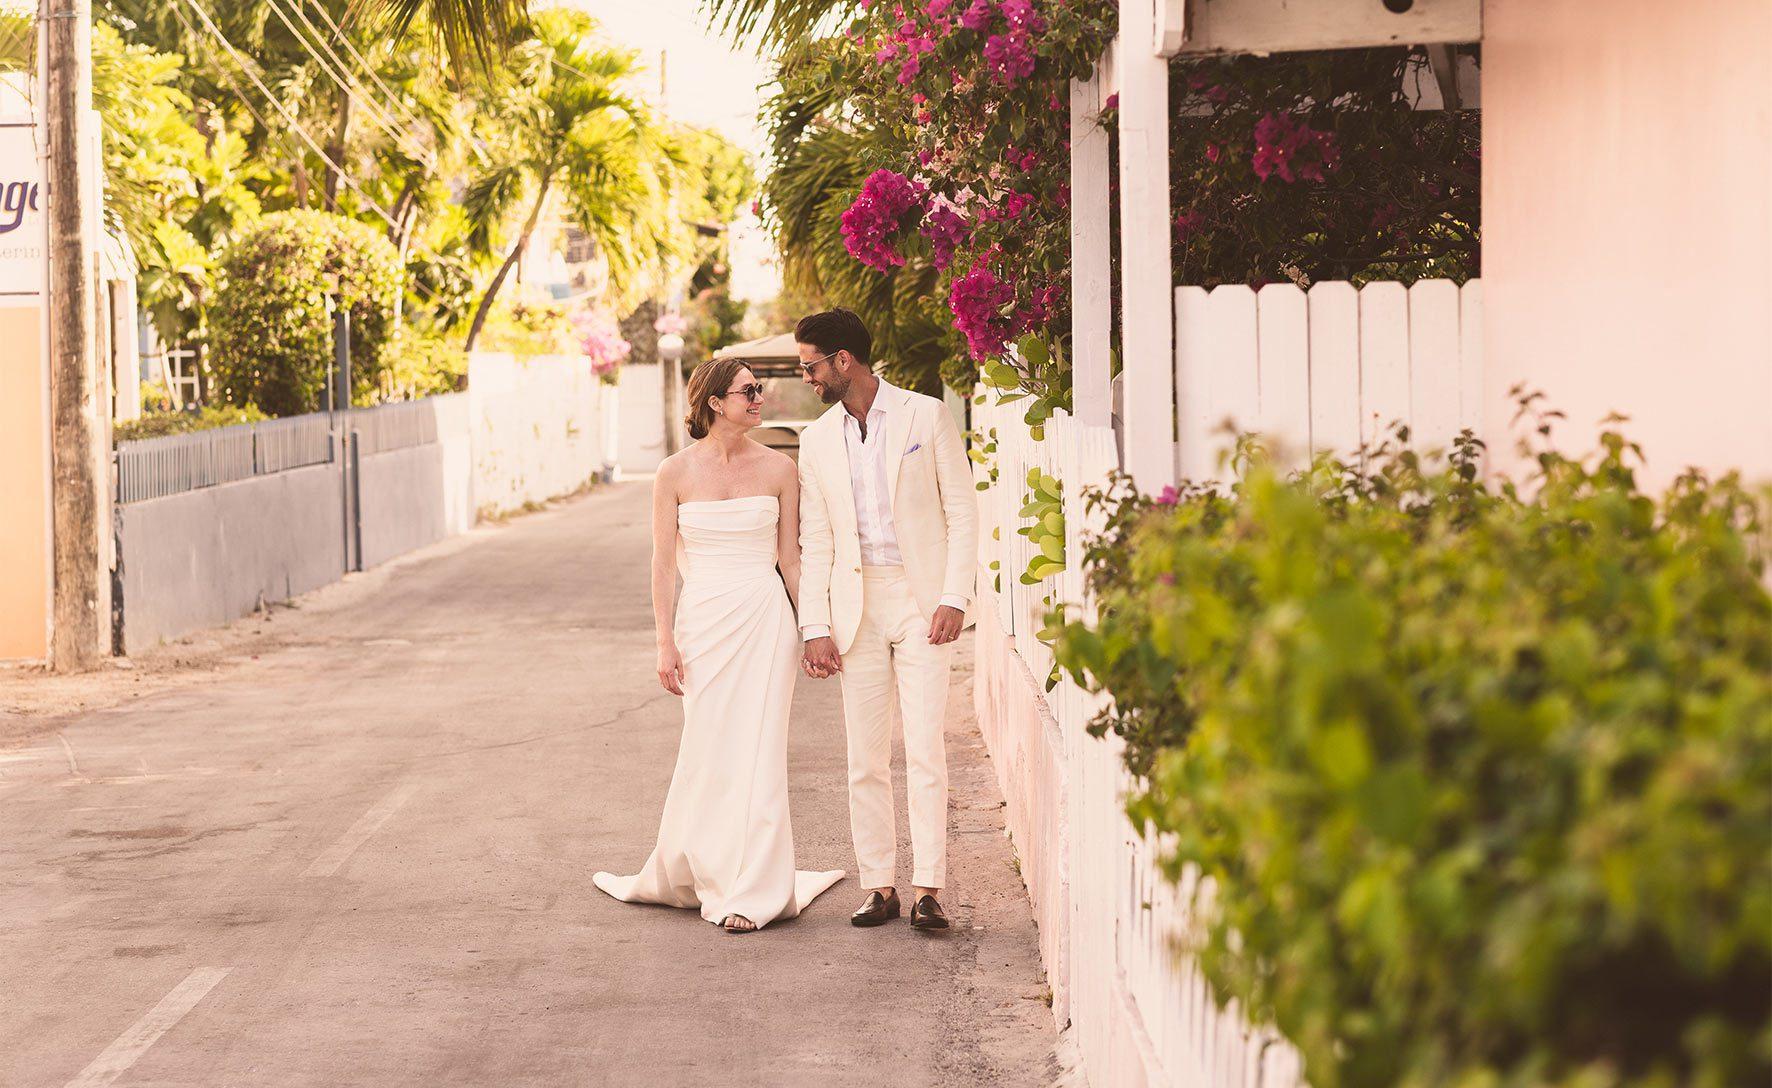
x=892, y=664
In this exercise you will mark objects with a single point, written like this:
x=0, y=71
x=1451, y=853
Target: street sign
x=24, y=211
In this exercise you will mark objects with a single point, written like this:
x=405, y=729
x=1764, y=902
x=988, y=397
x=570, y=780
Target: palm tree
x=779, y=23
x=472, y=32
x=560, y=123
x=821, y=157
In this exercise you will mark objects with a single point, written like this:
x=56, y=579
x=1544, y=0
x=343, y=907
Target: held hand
x=946, y=624
x=821, y=658
x=670, y=668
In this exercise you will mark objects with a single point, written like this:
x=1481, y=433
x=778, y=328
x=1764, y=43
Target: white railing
x=1140, y=1010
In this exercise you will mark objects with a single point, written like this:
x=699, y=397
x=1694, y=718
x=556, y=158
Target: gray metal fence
x=153, y=468
x=394, y=426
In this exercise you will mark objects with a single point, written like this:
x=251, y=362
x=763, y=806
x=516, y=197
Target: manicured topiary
x=271, y=333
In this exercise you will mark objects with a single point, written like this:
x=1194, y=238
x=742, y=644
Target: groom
x=889, y=545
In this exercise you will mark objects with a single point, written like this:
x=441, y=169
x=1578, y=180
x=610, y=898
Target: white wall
x=1627, y=222
x=641, y=442
x=537, y=426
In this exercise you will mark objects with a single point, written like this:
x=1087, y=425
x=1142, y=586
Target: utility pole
x=77, y=470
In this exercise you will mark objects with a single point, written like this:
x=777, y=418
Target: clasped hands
x=821, y=658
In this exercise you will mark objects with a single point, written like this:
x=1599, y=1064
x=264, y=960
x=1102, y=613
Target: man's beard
x=830, y=393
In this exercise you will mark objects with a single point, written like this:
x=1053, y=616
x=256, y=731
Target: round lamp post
x=670, y=357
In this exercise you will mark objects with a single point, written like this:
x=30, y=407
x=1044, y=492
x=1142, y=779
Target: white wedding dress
x=725, y=843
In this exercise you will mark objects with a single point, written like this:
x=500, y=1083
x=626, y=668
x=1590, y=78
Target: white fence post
x=1091, y=273
x=1146, y=311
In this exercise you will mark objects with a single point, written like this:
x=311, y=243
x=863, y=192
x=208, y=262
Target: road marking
x=358, y=833
x=132, y=1044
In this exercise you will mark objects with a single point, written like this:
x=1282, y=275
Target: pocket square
x=914, y=448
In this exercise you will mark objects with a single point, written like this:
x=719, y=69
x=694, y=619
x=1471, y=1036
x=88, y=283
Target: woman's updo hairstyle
x=710, y=379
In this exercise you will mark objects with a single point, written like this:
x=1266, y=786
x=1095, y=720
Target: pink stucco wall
x=1627, y=222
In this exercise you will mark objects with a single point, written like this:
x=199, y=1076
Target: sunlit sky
x=710, y=81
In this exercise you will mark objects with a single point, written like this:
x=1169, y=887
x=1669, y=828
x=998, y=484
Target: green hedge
x=271, y=335
x=159, y=423
x=1483, y=775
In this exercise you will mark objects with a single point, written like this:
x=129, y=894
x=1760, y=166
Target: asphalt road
x=359, y=852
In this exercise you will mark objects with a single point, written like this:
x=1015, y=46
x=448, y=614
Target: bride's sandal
x=738, y=923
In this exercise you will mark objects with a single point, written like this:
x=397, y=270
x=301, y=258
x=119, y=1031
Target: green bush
x=1482, y=775
x=527, y=329
x=156, y=423
x=419, y=365
x=271, y=335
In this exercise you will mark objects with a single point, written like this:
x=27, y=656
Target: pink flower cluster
x=599, y=337
x=978, y=301
x=947, y=230
x=670, y=324
x=1013, y=207
x=1287, y=146
x=1009, y=57
x=871, y=224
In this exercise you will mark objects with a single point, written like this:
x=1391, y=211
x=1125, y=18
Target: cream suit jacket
x=934, y=513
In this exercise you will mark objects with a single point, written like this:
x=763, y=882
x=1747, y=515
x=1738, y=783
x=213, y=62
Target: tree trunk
x=504, y=270
x=400, y=230
x=337, y=151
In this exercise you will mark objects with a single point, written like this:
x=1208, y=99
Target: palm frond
x=775, y=23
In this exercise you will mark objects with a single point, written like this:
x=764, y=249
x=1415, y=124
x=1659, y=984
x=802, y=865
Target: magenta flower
x=1286, y=146
x=872, y=223
x=977, y=301
x=1168, y=497
x=935, y=9
x=947, y=230
x=977, y=16
x=1009, y=58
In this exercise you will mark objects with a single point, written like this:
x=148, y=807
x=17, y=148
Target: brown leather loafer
x=877, y=909
x=926, y=913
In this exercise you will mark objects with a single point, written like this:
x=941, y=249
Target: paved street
x=354, y=847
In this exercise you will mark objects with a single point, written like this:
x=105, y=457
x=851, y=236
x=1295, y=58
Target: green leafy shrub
x=154, y=424
x=524, y=328
x=271, y=334
x=418, y=365
x=1479, y=773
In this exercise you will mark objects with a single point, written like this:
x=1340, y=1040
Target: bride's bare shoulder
x=776, y=464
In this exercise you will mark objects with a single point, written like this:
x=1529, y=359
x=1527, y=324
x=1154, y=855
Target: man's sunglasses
x=807, y=367
x=752, y=392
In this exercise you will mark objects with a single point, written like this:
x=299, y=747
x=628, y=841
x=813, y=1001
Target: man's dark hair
x=834, y=331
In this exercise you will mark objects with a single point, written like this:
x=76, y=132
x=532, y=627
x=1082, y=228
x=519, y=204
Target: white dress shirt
x=873, y=498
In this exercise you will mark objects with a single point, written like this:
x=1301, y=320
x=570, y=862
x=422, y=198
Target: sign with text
x=24, y=210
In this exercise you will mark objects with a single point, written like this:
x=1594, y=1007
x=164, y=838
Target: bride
x=725, y=512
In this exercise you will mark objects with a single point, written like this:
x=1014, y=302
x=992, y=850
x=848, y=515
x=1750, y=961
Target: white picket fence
x=1326, y=369
x=1110, y=920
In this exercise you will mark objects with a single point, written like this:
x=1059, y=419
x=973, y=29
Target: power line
x=294, y=124
x=346, y=82
x=368, y=69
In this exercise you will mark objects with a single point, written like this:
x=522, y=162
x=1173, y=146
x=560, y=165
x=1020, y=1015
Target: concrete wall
x=641, y=442
x=537, y=428
x=206, y=557
x=408, y=498
x=528, y=431
x=1627, y=218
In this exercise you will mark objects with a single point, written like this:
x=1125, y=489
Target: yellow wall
x=24, y=486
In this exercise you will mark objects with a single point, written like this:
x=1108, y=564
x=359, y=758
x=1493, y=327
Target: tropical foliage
x=273, y=320
x=219, y=113
x=1476, y=773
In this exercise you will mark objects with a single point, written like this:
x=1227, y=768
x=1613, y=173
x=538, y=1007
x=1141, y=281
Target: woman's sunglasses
x=752, y=392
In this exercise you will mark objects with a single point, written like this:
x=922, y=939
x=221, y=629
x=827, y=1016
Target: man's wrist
x=815, y=631
x=954, y=600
